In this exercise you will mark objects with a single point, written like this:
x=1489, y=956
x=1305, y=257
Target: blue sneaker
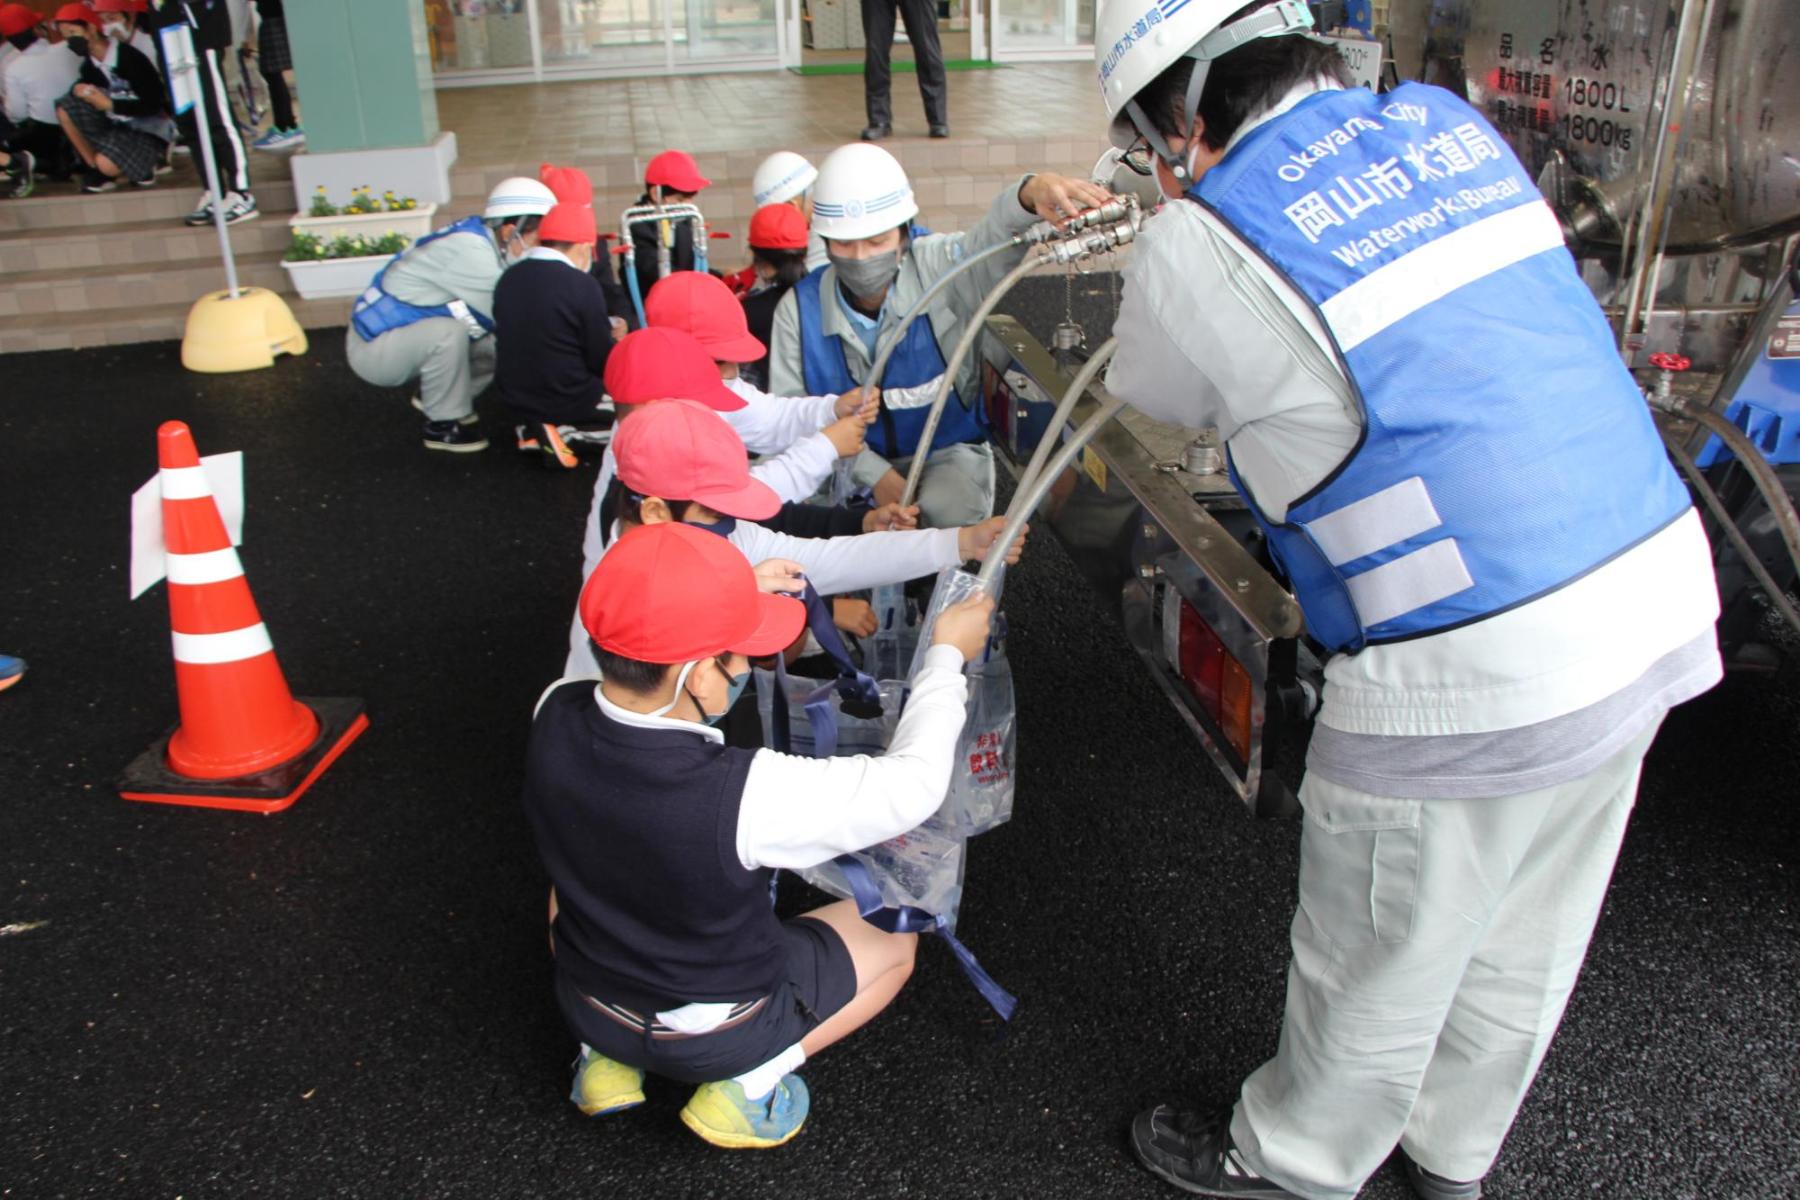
x=281, y=139
x=603, y=1086
x=720, y=1114
x=11, y=671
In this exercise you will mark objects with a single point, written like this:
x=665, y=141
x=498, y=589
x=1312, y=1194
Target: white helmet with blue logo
x=518, y=197
x=862, y=190
x=782, y=176
x=1137, y=40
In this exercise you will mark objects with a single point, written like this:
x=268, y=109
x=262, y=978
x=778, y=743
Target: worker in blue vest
x=428, y=314
x=1425, y=410
x=828, y=327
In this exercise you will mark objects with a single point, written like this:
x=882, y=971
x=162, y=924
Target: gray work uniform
x=957, y=487
x=452, y=368
x=1466, y=792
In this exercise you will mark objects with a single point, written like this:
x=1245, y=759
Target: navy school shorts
x=820, y=979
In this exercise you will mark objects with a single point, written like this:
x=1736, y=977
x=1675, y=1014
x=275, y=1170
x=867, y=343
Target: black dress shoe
x=1436, y=1187
x=874, y=133
x=1194, y=1151
x=940, y=131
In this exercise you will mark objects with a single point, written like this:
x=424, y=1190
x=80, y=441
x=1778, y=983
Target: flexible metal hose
x=1064, y=408
x=1026, y=500
x=1714, y=505
x=946, y=384
x=885, y=351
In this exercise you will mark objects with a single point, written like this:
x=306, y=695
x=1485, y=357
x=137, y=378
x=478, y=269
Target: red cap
x=666, y=364
x=118, y=6
x=778, y=227
x=671, y=593
x=78, y=12
x=570, y=222
x=16, y=19
x=570, y=185
x=680, y=450
x=694, y=302
x=675, y=169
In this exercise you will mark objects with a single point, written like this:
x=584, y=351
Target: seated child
x=660, y=842
x=552, y=334
x=678, y=462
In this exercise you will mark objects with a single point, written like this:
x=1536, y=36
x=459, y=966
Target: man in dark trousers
x=210, y=21
x=922, y=31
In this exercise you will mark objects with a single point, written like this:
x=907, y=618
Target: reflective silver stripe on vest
x=1384, y=519
x=920, y=395
x=1394, y=292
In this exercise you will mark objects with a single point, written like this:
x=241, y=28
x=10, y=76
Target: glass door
x=603, y=34
x=1043, y=30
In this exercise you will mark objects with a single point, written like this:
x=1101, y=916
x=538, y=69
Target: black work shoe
x=1436, y=1187
x=874, y=133
x=940, y=131
x=1193, y=1151
x=455, y=437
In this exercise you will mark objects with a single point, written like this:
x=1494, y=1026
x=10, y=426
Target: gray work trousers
x=451, y=369
x=956, y=489
x=1435, y=946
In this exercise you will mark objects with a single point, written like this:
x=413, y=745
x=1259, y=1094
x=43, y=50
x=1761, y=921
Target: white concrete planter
x=415, y=223
x=333, y=276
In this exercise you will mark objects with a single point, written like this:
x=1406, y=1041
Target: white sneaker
x=240, y=206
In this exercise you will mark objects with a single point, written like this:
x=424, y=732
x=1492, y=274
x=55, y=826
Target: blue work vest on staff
x=377, y=310
x=907, y=387
x=1506, y=451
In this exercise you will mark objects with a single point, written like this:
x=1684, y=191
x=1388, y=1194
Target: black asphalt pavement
x=352, y=998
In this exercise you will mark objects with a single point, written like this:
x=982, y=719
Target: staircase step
x=62, y=206
x=147, y=287
x=131, y=244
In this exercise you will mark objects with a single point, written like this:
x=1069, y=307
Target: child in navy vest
x=661, y=841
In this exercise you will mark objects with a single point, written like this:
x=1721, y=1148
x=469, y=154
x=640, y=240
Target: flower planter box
x=415, y=223
x=331, y=277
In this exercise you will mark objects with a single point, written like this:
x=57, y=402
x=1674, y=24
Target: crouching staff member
x=660, y=842
x=828, y=327
x=1469, y=498
x=428, y=314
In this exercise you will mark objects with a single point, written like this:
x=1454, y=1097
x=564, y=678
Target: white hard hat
x=1134, y=44
x=518, y=197
x=862, y=191
x=782, y=176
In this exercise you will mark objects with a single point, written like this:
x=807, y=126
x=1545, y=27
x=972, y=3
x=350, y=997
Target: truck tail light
x=1217, y=680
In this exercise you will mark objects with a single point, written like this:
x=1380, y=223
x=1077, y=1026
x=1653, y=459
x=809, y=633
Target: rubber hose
x=1761, y=473
x=1714, y=505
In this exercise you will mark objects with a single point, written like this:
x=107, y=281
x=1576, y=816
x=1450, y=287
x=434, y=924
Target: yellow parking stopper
x=239, y=333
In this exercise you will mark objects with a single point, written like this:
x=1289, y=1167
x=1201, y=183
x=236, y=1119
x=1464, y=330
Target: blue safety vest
x=907, y=388
x=377, y=310
x=1506, y=451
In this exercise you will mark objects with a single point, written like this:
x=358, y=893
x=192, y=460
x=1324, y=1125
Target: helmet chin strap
x=1278, y=20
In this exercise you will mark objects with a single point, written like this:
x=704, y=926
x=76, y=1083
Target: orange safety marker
x=244, y=741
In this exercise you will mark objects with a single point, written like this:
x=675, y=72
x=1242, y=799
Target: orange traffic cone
x=244, y=741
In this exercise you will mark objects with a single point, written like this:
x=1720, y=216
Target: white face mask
x=115, y=30
x=1193, y=155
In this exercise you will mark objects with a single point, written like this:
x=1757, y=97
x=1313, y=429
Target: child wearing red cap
x=116, y=116
x=660, y=362
x=672, y=177
x=660, y=842
x=778, y=250
x=553, y=331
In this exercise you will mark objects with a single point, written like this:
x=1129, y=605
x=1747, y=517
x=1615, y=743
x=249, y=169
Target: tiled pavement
x=92, y=270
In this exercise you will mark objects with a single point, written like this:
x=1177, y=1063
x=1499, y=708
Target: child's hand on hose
x=846, y=434
x=852, y=403
x=965, y=626
x=891, y=516
x=780, y=576
x=974, y=541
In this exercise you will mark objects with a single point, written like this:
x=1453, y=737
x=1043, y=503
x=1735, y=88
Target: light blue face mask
x=738, y=684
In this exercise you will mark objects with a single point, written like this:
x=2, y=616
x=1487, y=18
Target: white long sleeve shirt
x=798, y=812
x=35, y=80
x=1211, y=336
